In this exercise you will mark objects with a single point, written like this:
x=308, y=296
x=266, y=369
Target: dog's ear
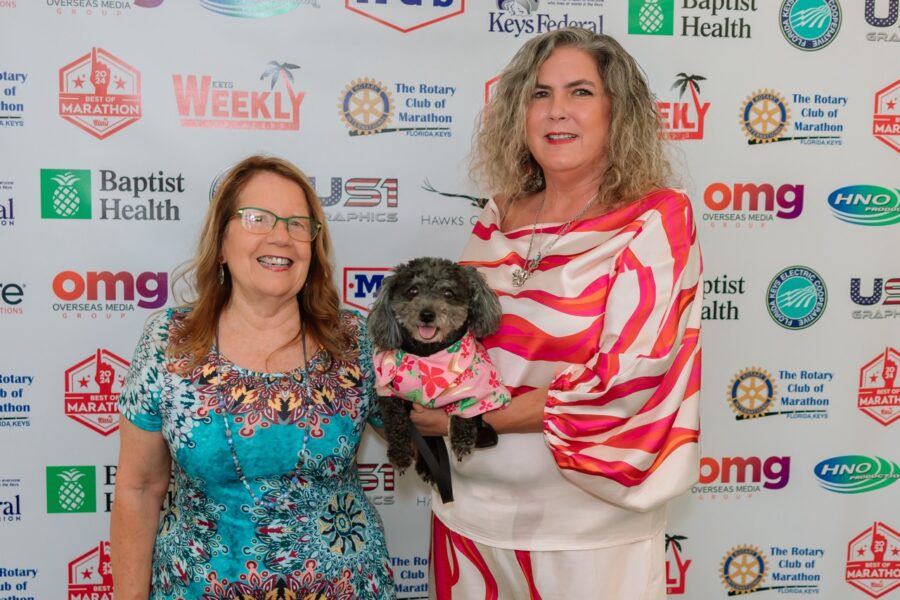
x=384, y=328
x=484, y=311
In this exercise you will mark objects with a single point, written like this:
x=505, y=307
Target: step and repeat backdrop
x=116, y=117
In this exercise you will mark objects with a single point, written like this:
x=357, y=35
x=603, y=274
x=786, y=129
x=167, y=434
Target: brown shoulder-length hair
x=636, y=161
x=318, y=299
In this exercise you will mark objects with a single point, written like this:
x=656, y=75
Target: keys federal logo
x=873, y=560
x=855, y=474
x=810, y=24
x=72, y=489
x=796, y=297
x=879, y=390
x=92, y=389
x=65, y=194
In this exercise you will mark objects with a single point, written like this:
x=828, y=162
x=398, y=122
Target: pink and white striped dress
x=610, y=321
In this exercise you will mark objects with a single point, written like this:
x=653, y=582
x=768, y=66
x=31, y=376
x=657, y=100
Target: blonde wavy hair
x=318, y=299
x=635, y=151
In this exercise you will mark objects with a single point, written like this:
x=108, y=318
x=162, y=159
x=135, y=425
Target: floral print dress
x=322, y=539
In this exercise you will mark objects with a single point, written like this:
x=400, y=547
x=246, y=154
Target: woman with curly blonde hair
x=598, y=270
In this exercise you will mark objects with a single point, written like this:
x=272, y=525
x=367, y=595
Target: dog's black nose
x=426, y=315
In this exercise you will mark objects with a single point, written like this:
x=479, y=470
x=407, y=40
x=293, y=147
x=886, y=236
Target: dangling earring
x=221, y=274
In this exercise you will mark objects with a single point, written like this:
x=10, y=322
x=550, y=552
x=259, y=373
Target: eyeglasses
x=260, y=220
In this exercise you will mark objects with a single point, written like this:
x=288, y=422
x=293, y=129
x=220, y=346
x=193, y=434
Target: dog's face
x=430, y=299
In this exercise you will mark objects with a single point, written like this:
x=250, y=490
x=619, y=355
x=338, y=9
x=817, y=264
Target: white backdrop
x=116, y=116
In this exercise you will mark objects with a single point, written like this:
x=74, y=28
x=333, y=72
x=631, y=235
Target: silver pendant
x=519, y=277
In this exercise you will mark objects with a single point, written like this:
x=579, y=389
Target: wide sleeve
x=139, y=400
x=625, y=425
x=367, y=369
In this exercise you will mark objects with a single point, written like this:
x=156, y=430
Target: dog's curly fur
x=429, y=292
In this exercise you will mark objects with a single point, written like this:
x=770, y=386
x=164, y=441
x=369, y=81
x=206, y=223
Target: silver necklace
x=520, y=275
x=229, y=438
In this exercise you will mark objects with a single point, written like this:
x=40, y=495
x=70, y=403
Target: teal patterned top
x=323, y=539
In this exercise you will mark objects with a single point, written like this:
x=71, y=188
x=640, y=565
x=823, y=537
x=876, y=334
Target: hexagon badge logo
x=92, y=391
x=886, y=120
x=407, y=15
x=879, y=390
x=100, y=93
x=873, y=561
x=90, y=575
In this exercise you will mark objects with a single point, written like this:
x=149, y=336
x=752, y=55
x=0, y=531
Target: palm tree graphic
x=684, y=82
x=276, y=70
x=676, y=585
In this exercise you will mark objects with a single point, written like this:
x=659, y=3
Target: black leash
x=438, y=465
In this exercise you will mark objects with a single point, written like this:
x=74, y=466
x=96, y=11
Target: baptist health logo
x=810, y=24
x=651, y=17
x=856, y=474
x=796, y=297
x=865, y=205
x=72, y=489
x=65, y=194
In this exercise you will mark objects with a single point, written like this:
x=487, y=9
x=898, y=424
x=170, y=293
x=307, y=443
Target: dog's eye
x=412, y=292
x=448, y=294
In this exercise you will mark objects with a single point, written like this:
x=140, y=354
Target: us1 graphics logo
x=12, y=109
x=884, y=291
x=676, y=573
x=733, y=477
x=220, y=104
x=681, y=120
x=699, y=18
x=92, y=389
x=406, y=15
x=7, y=204
x=100, y=93
x=367, y=107
x=754, y=393
x=873, y=560
x=378, y=482
x=886, y=120
x=360, y=199
x=524, y=17
x=101, y=294
x=856, y=474
x=15, y=408
x=361, y=285
x=72, y=489
x=765, y=117
x=883, y=14
x=90, y=575
x=865, y=205
x=879, y=390
x=810, y=24
x=796, y=297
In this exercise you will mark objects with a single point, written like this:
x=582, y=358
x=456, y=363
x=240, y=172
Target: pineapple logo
x=71, y=489
x=651, y=17
x=65, y=194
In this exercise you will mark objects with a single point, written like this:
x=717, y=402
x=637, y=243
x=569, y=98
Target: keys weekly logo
x=72, y=489
x=65, y=194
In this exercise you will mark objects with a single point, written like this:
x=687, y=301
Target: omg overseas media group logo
x=883, y=15
x=755, y=393
x=765, y=117
x=810, y=24
x=102, y=294
x=367, y=107
x=751, y=205
x=90, y=574
x=879, y=390
x=205, y=101
x=12, y=108
x=100, y=93
x=254, y=9
x=99, y=8
x=746, y=568
x=884, y=299
x=525, y=17
x=856, y=474
x=360, y=199
x=406, y=15
x=873, y=560
x=796, y=297
x=737, y=477
x=15, y=406
x=696, y=18
x=92, y=389
x=886, y=120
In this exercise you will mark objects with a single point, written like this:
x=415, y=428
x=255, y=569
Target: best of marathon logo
x=7, y=204
x=699, y=18
x=765, y=116
x=90, y=575
x=15, y=409
x=406, y=15
x=733, y=477
x=100, y=93
x=883, y=14
x=360, y=199
x=751, y=204
x=793, y=570
x=754, y=393
x=92, y=389
x=100, y=294
x=886, y=120
x=873, y=560
x=367, y=107
x=524, y=17
x=274, y=105
x=884, y=298
x=879, y=392
x=12, y=109
x=66, y=194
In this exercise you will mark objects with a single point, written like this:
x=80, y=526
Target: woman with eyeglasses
x=252, y=397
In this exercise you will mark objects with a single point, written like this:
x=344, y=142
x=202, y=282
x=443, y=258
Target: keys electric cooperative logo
x=734, y=477
x=92, y=389
x=879, y=390
x=67, y=194
x=683, y=120
x=793, y=570
x=796, y=297
x=810, y=24
x=751, y=204
x=7, y=204
x=865, y=205
x=100, y=294
x=885, y=297
x=71, y=489
x=207, y=102
x=406, y=15
x=753, y=393
x=10, y=500
x=367, y=107
x=886, y=120
x=255, y=9
x=361, y=285
x=90, y=575
x=525, y=17
x=360, y=199
x=12, y=109
x=883, y=14
x=676, y=572
x=722, y=19
x=765, y=117
x=15, y=407
x=873, y=561
x=856, y=474
x=100, y=93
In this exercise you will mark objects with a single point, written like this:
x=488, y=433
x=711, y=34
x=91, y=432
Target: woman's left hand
x=430, y=421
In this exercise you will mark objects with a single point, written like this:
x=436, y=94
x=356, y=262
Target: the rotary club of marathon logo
x=100, y=93
x=873, y=561
x=366, y=106
x=90, y=575
x=744, y=569
x=92, y=391
x=752, y=393
x=879, y=390
x=764, y=117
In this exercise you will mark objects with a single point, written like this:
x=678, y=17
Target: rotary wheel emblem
x=764, y=116
x=752, y=393
x=365, y=106
x=743, y=569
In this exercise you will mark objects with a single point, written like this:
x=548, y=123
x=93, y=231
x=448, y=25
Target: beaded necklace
x=229, y=438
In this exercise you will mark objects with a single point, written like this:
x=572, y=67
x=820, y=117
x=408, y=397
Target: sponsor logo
x=856, y=474
x=81, y=294
x=100, y=93
x=15, y=410
x=7, y=204
x=865, y=205
x=11, y=298
x=367, y=107
x=879, y=390
x=884, y=15
x=683, y=120
x=12, y=109
x=887, y=292
x=72, y=489
x=411, y=580
x=716, y=309
x=17, y=578
x=751, y=204
x=676, y=573
x=873, y=561
x=407, y=15
x=737, y=477
x=10, y=500
x=360, y=199
x=92, y=389
x=444, y=220
x=651, y=17
x=377, y=481
x=65, y=194
x=753, y=393
x=765, y=117
x=744, y=569
x=99, y=8
x=793, y=570
x=796, y=297
x=220, y=104
x=7, y=3
x=886, y=120
x=810, y=24
x=254, y=9
x=699, y=18
x=90, y=575
x=361, y=285
x=518, y=17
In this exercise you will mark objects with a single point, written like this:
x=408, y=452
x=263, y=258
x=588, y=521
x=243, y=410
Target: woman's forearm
x=524, y=414
x=134, y=520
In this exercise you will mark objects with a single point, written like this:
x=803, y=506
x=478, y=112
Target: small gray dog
x=424, y=307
